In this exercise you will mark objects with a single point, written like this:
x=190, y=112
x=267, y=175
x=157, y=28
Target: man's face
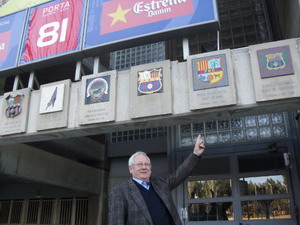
x=141, y=168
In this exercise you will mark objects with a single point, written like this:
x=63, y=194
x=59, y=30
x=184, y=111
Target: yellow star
x=119, y=15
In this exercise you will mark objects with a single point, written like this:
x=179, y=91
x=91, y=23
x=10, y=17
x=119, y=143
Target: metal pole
x=185, y=47
x=96, y=64
x=78, y=71
x=16, y=82
x=218, y=40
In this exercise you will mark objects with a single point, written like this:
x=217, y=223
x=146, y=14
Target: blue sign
x=11, y=28
x=113, y=21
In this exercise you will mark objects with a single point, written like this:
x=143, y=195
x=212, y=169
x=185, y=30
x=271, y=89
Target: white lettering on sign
x=4, y=23
x=59, y=7
x=2, y=46
x=50, y=32
x=158, y=12
x=155, y=7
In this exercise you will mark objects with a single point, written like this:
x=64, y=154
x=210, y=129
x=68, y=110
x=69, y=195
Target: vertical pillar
x=185, y=47
x=32, y=80
x=16, y=82
x=73, y=214
x=98, y=203
x=24, y=212
x=96, y=65
x=78, y=71
x=54, y=216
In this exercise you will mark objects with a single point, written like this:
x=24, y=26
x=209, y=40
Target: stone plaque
x=14, y=112
x=98, y=98
x=150, y=90
x=275, y=61
x=211, y=82
x=54, y=105
x=275, y=70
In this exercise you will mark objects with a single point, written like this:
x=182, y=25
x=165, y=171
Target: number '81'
x=52, y=34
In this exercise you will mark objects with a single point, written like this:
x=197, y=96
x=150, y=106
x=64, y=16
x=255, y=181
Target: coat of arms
x=210, y=71
x=97, y=90
x=14, y=105
x=150, y=81
x=275, y=61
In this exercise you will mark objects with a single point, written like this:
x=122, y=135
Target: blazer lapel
x=138, y=198
x=162, y=195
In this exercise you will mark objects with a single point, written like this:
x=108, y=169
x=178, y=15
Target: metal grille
x=235, y=130
x=242, y=23
x=51, y=211
x=65, y=212
x=81, y=214
x=16, y=212
x=4, y=212
x=33, y=209
x=124, y=59
x=46, y=211
x=135, y=135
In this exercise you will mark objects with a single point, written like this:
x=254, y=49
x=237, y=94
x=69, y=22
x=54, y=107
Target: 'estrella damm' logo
x=150, y=81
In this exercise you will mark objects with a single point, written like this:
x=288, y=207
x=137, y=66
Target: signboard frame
x=16, y=38
x=136, y=35
x=60, y=30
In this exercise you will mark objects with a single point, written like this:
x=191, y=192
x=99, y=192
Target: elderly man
x=146, y=199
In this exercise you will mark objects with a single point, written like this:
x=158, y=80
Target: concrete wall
x=35, y=190
x=35, y=166
x=245, y=92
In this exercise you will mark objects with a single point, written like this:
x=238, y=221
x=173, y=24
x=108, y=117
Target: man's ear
x=129, y=168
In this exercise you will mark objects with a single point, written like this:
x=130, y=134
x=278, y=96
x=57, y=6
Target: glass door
x=240, y=189
x=264, y=190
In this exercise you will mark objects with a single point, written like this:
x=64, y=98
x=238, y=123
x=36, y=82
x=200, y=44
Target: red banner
x=53, y=29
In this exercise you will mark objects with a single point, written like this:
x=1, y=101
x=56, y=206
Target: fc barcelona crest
x=14, y=105
x=150, y=81
x=209, y=72
x=275, y=62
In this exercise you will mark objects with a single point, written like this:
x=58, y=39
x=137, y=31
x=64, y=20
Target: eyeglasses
x=140, y=165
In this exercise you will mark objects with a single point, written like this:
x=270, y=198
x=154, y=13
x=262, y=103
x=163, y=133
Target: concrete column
x=98, y=204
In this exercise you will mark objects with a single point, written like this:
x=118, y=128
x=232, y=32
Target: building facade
x=57, y=167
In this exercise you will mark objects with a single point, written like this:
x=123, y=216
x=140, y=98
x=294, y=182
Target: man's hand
x=199, y=146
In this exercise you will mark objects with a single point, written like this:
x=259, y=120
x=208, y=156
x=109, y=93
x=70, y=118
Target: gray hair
x=132, y=157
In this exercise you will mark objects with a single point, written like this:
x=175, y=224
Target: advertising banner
x=11, y=6
x=11, y=28
x=53, y=29
x=120, y=20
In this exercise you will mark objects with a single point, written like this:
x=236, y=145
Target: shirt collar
x=143, y=183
